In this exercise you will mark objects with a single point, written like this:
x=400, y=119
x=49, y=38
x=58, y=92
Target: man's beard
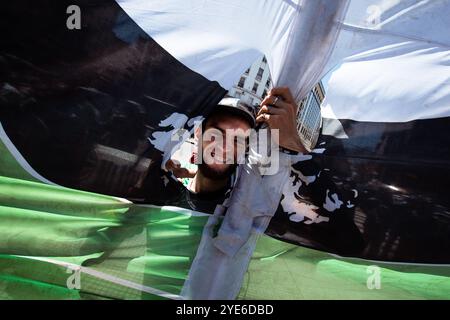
x=214, y=174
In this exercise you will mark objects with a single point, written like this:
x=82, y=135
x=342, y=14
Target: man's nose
x=228, y=145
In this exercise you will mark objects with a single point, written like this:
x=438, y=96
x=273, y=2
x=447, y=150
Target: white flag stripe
x=109, y=278
x=221, y=39
x=395, y=57
x=396, y=83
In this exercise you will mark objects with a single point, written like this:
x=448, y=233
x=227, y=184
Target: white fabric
x=221, y=261
x=397, y=83
x=393, y=50
x=395, y=68
x=221, y=39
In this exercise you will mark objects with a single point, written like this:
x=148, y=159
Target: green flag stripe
x=110, y=278
x=280, y=270
x=141, y=246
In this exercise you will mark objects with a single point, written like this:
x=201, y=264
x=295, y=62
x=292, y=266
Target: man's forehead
x=228, y=123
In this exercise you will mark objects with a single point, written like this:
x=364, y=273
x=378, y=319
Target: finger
x=169, y=164
x=271, y=100
x=263, y=109
x=273, y=121
x=175, y=163
x=281, y=105
x=269, y=110
x=265, y=117
x=284, y=92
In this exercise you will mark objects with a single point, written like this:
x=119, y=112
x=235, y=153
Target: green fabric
x=149, y=246
x=279, y=270
x=154, y=247
x=9, y=166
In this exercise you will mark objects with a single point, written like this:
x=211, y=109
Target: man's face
x=223, y=141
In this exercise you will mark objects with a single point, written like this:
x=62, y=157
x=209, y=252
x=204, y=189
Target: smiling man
x=221, y=143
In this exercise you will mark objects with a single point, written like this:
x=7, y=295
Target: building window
x=241, y=82
x=264, y=60
x=264, y=93
x=309, y=120
x=268, y=83
x=260, y=74
x=255, y=87
x=247, y=71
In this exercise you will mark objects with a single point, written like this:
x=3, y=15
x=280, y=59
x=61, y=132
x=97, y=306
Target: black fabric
x=401, y=172
x=80, y=104
x=165, y=190
x=339, y=234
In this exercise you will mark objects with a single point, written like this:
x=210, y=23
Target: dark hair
x=219, y=113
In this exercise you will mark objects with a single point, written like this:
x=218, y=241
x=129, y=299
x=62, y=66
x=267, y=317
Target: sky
x=327, y=77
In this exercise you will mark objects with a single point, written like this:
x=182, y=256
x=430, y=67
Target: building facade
x=309, y=119
x=253, y=86
x=254, y=83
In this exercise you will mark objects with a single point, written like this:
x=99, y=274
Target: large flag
x=384, y=133
x=386, y=128
x=87, y=117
